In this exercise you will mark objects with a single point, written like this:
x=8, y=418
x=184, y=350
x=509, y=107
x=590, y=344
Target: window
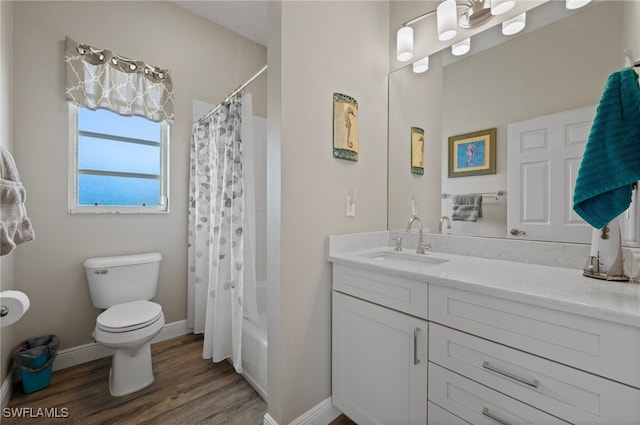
x=118, y=164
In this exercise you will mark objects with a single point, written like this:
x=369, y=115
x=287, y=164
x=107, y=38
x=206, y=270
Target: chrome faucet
x=422, y=247
x=442, y=220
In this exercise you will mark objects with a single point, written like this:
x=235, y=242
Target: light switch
x=351, y=203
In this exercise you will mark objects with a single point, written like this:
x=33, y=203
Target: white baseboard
x=6, y=391
x=93, y=351
x=321, y=414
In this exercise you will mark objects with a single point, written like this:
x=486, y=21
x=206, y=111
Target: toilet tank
x=124, y=278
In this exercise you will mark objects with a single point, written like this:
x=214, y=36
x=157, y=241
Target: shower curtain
x=220, y=258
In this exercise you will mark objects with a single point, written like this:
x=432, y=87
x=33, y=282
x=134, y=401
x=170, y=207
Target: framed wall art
x=417, y=150
x=345, y=127
x=472, y=154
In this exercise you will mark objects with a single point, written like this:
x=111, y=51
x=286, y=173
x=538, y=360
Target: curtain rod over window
x=233, y=93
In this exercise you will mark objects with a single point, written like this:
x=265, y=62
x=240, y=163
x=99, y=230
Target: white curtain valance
x=99, y=78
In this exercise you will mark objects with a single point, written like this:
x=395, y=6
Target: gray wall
x=316, y=49
x=207, y=63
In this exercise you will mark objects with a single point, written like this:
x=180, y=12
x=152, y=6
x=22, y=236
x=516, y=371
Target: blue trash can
x=35, y=358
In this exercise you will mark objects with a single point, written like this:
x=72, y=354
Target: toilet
x=123, y=286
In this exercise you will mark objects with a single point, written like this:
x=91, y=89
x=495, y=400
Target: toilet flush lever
x=101, y=271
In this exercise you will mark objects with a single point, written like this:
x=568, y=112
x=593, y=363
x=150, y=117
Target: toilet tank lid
x=121, y=260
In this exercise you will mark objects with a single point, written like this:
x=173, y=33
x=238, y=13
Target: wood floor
x=187, y=390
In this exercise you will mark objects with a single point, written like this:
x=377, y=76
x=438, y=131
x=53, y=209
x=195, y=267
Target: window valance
x=98, y=78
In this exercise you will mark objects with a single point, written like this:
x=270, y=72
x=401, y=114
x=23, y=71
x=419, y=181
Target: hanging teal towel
x=611, y=161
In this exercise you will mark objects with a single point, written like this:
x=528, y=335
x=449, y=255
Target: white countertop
x=546, y=286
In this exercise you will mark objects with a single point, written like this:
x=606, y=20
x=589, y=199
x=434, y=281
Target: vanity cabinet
x=483, y=347
x=379, y=353
x=523, y=363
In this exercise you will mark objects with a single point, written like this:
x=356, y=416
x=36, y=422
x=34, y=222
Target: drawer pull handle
x=532, y=383
x=416, y=360
x=490, y=415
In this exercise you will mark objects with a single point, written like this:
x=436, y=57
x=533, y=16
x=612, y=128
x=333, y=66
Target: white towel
x=466, y=207
x=15, y=226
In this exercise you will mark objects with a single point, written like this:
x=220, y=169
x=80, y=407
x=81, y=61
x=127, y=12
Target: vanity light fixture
x=404, y=44
x=514, y=25
x=576, y=4
x=462, y=47
x=498, y=7
x=421, y=66
x=450, y=15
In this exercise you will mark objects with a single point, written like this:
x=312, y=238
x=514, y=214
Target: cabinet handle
x=416, y=360
x=490, y=415
x=532, y=383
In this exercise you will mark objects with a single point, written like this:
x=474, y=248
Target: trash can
x=35, y=358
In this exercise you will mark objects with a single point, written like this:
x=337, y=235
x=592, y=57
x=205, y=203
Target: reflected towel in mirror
x=466, y=207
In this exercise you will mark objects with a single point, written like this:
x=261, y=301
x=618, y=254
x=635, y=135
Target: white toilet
x=123, y=285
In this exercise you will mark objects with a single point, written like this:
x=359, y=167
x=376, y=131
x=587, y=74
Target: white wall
x=6, y=140
x=207, y=63
x=319, y=48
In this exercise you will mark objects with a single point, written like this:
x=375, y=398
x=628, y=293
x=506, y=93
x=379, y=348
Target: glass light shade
x=404, y=44
x=421, y=66
x=461, y=47
x=447, y=20
x=576, y=4
x=514, y=25
x=498, y=7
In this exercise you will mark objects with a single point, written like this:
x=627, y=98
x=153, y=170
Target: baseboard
x=93, y=351
x=6, y=391
x=321, y=414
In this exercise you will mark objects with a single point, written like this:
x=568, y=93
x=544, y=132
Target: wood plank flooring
x=187, y=390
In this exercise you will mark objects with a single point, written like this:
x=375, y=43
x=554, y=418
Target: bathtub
x=254, y=345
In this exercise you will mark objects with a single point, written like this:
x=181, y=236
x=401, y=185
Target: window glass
x=113, y=155
x=110, y=190
x=119, y=163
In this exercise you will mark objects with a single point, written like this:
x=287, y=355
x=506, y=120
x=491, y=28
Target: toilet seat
x=129, y=316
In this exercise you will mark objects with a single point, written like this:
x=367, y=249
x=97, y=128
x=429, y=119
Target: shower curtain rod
x=233, y=93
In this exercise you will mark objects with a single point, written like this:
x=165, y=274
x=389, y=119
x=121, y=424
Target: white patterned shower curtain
x=220, y=248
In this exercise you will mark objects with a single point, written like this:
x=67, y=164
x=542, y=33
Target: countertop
x=546, y=286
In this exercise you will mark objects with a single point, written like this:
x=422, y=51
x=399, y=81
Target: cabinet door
x=379, y=363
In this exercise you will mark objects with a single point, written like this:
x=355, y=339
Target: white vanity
x=443, y=338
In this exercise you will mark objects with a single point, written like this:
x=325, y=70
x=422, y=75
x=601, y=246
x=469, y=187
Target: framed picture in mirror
x=417, y=151
x=472, y=154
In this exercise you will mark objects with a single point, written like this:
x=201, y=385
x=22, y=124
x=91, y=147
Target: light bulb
x=421, y=66
x=514, y=25
x=404, y=44
x=498, y=7
x=461, y=47
x=447, y=20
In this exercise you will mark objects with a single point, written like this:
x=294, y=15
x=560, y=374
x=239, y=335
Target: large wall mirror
x=559, y=63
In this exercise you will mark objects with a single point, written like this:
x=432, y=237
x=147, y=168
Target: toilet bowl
x=128, y=329
x=123, y=286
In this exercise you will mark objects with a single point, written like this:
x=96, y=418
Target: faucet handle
x=423, y=248
x=398, y=242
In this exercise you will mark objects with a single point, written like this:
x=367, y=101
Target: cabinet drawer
x=438, y=416
x=565, y=392
x=589, y=344
x=405, y=295
x=478, y=404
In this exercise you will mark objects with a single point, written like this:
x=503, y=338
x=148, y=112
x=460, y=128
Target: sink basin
x=401, y=258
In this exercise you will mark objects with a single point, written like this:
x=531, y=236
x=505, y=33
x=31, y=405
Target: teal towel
x=611, y=161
